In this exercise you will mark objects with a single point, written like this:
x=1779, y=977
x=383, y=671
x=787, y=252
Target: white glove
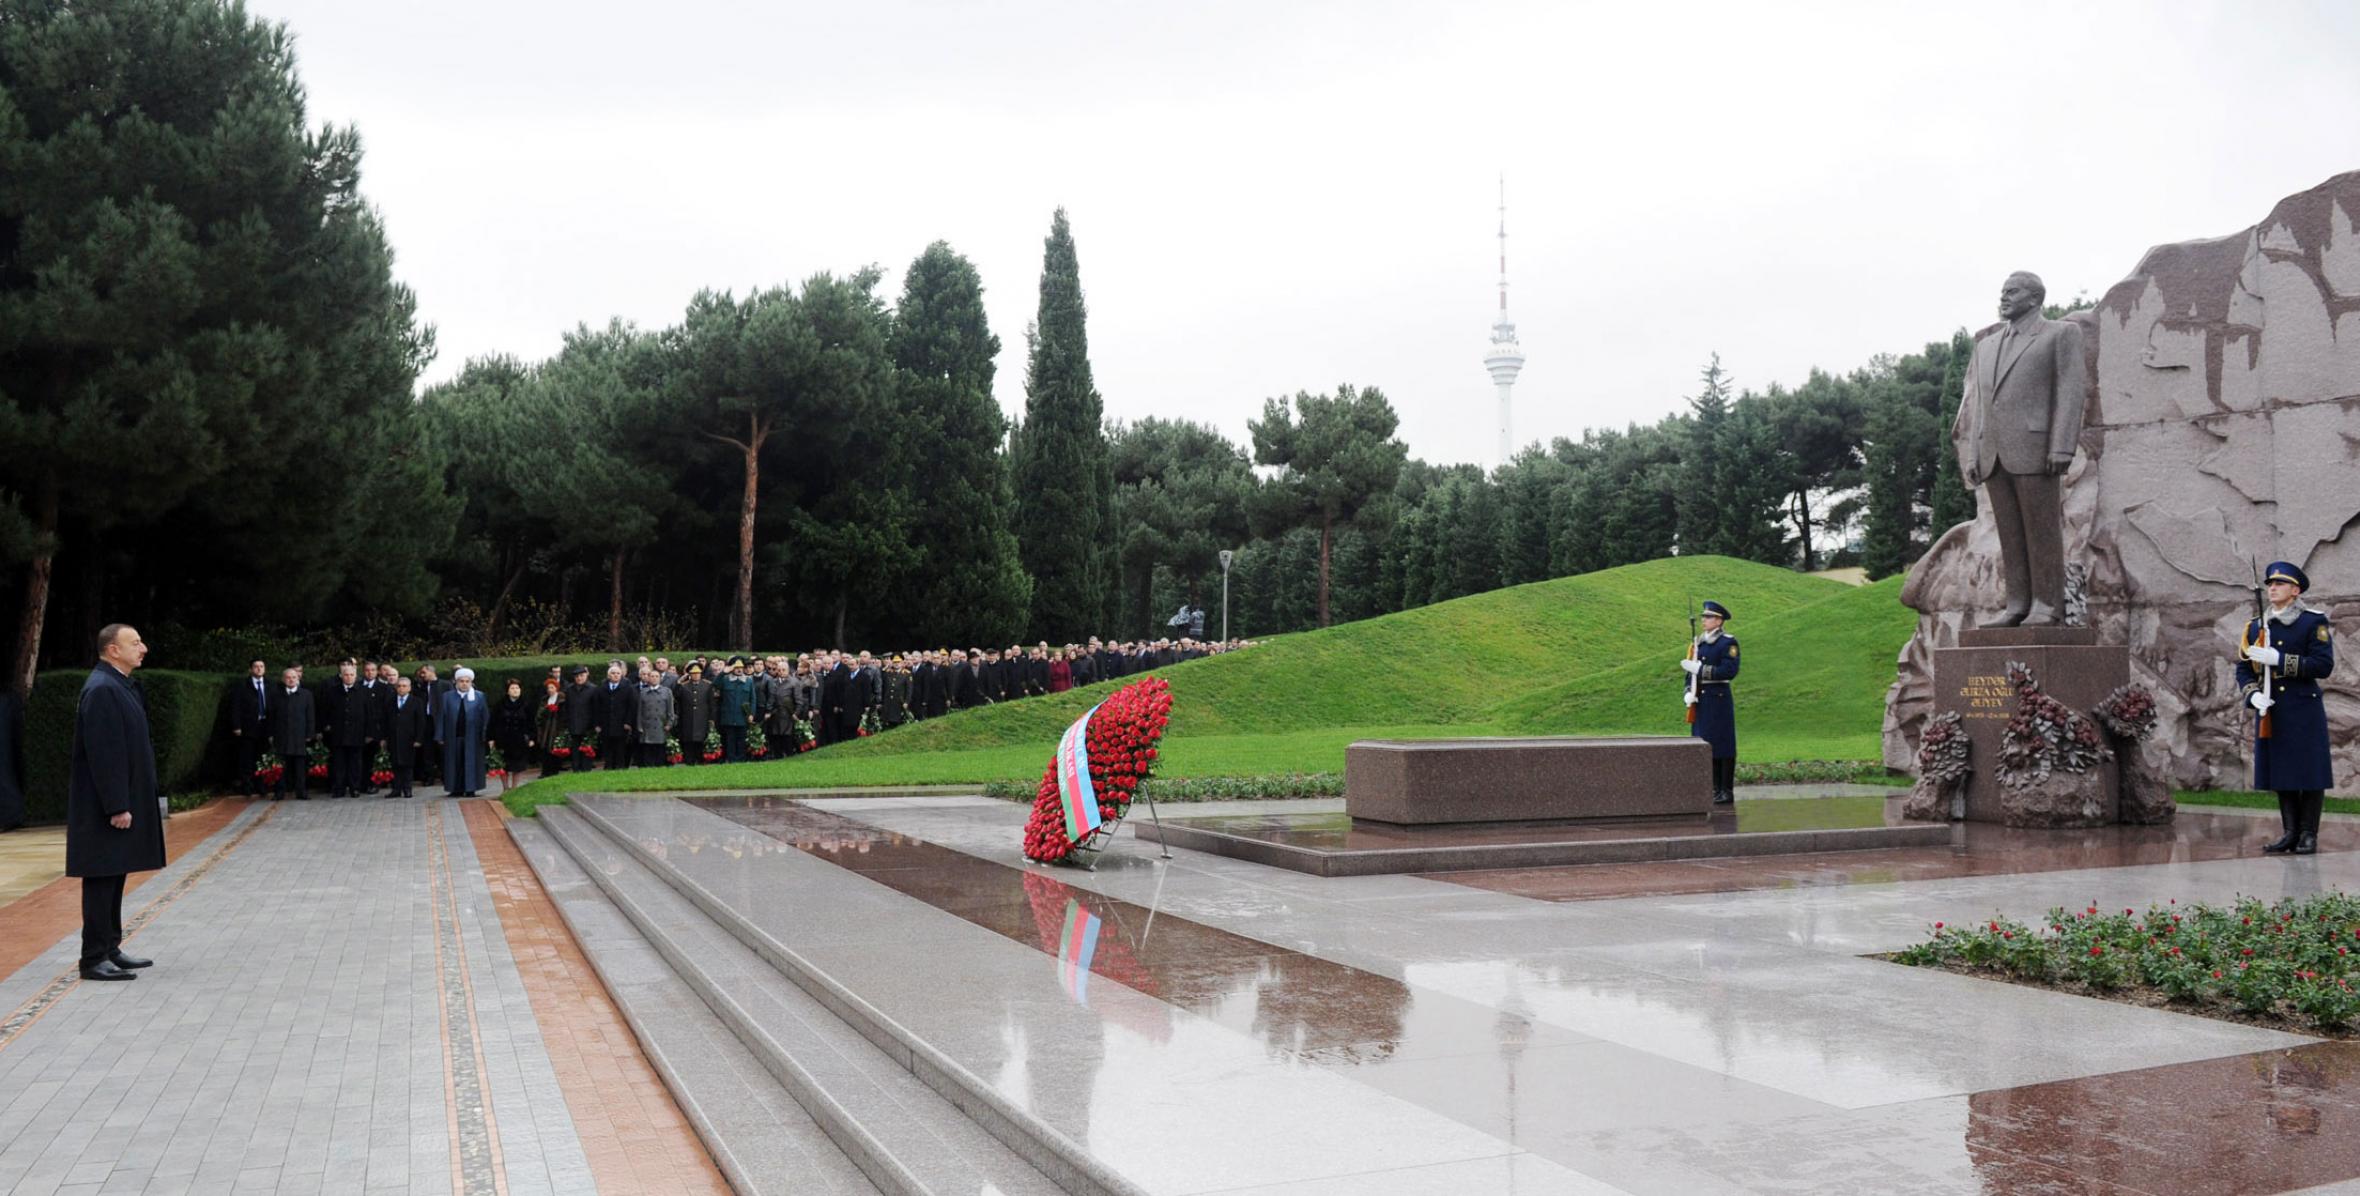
x=1688, y=699
x=1692, y=666
x=2261, y=702
x=2264, y=655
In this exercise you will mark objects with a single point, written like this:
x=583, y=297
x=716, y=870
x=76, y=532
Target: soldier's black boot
x=2314, y=803
x=2290, y=808
x=1724, y=782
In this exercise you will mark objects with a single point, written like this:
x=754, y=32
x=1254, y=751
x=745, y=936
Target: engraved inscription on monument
x=1986, y=697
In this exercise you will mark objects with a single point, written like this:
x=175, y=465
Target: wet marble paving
x=1978, y=849
x=1713, y=1042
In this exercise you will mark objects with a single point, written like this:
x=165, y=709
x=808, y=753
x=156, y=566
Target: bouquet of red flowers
x=711, y=747
x=757, y=746
x=1120, y=739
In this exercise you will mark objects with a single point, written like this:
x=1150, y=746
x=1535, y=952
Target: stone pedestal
x=1428, y=782
x=2068, y=662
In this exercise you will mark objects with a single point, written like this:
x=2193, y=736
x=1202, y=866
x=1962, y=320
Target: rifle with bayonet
x=1692, y=655
x=2259, y=636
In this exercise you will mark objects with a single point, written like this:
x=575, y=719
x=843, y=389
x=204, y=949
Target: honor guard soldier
x=1711, y=666
x=2282, y=656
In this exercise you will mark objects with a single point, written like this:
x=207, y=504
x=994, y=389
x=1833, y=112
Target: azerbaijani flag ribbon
x=1076, y=944
x=1073, y=779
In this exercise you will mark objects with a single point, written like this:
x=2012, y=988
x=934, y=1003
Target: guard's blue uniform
x=1716, y=716
x=2295, y=756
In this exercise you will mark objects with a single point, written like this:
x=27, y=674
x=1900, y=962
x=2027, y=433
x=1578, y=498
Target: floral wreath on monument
x=1092, y=780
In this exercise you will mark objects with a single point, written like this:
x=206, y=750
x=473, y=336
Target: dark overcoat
x=460, y=728
x=1716, y=714
x=408, y=729
x=293, y=722
x=2295, y=756
x=694, y=702
x=579, y=713
x=614, y=708
x=345, y=714
x=114, y=772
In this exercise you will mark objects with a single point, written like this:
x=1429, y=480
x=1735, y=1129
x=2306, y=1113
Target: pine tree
x=1337, y=458
x=1063, y=477
x=966, y=585
x=1705, y=468
x=192, y=288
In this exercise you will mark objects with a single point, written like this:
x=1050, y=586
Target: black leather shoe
x=105, y=969
x=130, y=963
x=2307, y=845
x=2279, y=846
x=1723, y=797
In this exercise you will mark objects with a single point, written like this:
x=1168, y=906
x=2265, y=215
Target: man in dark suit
x=426, y=689
x=578, y=715
x=249, y=723
x=373, y=737
x=614, y=717
x=344, y=720
x=2018, y=423
x=407, y=732
x=114, y=825
x=293, y=724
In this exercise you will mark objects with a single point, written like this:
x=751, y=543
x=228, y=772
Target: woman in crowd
x=1060, y=670
x=512, y=728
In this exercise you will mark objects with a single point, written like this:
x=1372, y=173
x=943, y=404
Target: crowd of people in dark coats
x=381, y=731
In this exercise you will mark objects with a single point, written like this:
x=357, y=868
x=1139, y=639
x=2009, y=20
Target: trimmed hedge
x=186, y=712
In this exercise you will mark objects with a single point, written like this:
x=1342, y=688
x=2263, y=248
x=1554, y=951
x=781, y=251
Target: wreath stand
x=1096, y=840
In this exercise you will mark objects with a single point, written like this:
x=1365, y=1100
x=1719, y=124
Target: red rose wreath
x=1120, y=736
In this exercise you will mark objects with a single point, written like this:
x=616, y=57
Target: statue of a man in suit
x=2018, y=423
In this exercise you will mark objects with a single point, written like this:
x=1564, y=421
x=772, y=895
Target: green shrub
x=186, y=721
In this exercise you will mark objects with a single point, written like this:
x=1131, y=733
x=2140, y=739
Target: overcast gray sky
x=1271, y=197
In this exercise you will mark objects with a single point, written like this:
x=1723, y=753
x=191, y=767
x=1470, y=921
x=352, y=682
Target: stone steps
x=857, y=1084
x=762, y=1140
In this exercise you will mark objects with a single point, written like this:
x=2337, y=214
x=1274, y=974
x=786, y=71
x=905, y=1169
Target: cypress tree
x=966, y=585
x=1063, y=475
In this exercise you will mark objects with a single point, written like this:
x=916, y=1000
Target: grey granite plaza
x=332, y=1002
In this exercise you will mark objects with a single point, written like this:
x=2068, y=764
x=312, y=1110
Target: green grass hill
x=1594, y=654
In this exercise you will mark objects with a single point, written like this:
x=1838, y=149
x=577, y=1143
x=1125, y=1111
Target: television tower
x=1505, y=358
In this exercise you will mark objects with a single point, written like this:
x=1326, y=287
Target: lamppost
x=1226, y=557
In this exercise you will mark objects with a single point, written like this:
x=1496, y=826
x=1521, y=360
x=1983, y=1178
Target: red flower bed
x=1122, y=736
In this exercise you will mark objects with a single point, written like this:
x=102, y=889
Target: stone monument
x=2222, y=425
x=2019, y=422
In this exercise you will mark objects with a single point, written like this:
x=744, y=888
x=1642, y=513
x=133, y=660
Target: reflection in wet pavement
x=1667, y=1060
x=1337, y=831
x=1982, y=849
x=2270, y=1122
x=1301, y=1005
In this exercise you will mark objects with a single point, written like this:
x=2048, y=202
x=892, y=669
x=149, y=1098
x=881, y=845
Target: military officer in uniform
x=2280, y=661
x=1712, y=664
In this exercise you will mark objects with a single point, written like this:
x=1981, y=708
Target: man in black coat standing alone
x=113, y=824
